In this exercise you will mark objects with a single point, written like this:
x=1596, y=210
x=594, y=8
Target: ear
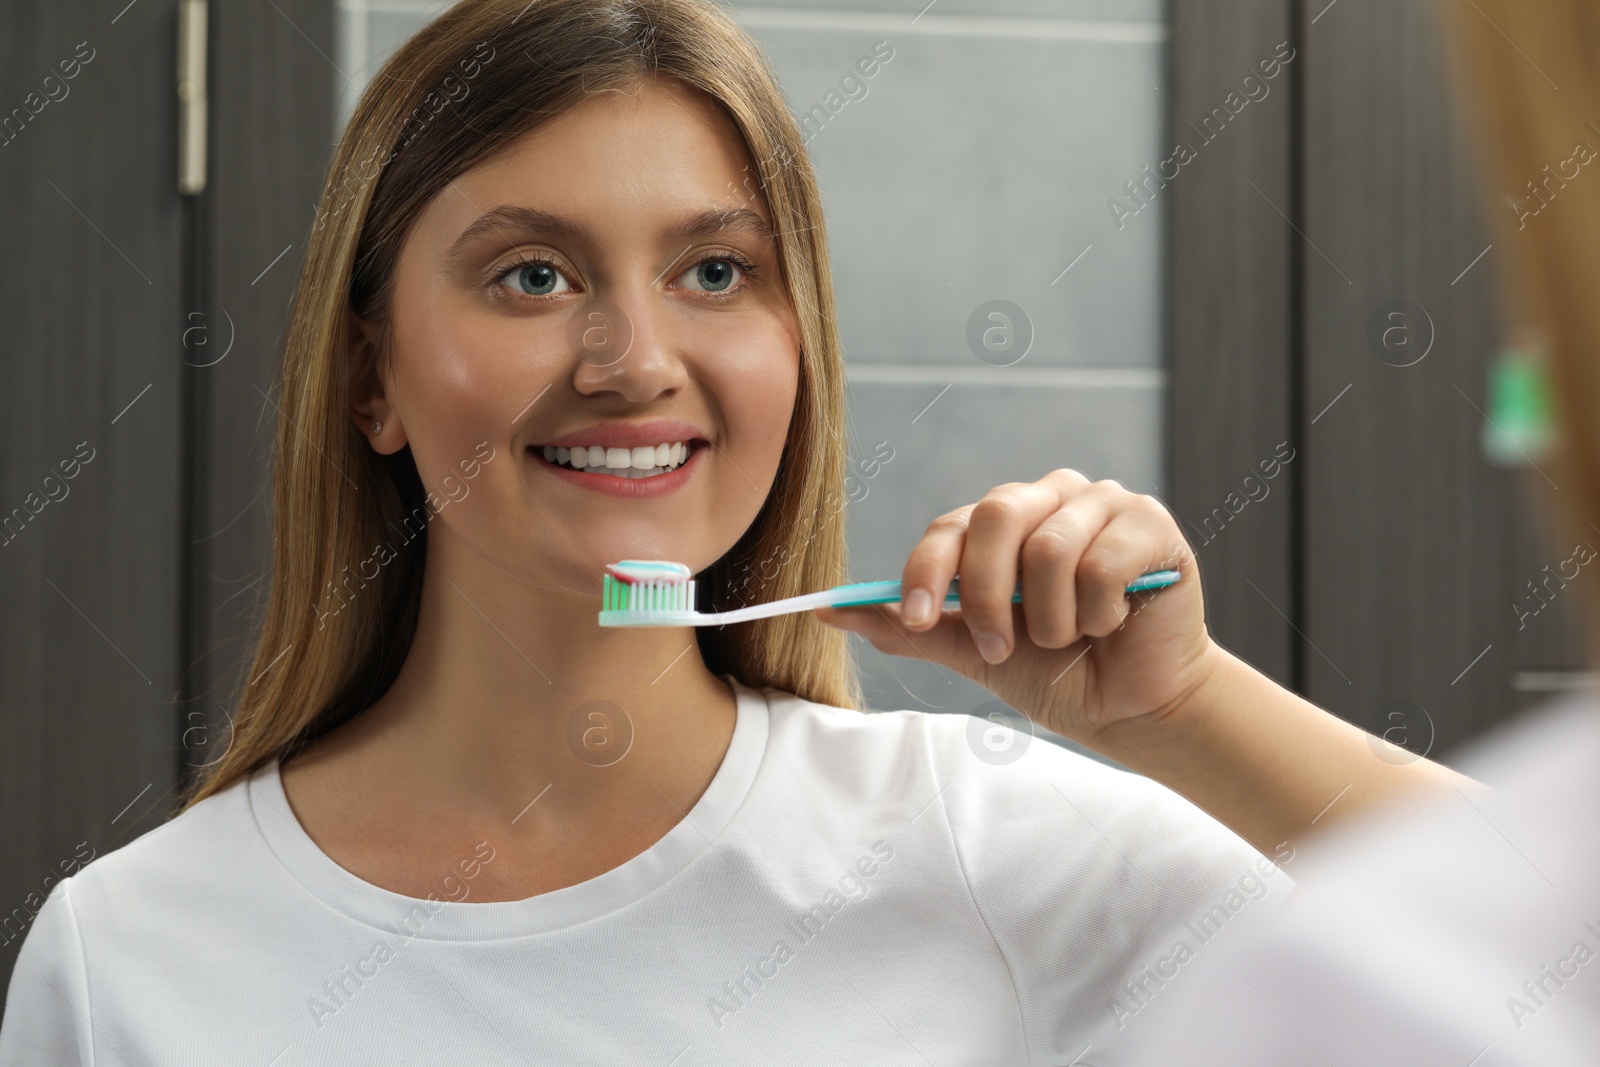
x=369, y=402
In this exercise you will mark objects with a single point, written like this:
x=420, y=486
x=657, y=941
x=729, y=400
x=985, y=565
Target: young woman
x=1464, y=931
x=458, y=821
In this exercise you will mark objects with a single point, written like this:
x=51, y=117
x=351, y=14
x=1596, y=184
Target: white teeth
x=644, y=461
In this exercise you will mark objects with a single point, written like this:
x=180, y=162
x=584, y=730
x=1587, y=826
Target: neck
x=513, y=702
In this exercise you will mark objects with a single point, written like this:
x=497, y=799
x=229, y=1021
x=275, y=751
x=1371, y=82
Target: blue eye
x=718, y=274
x=715, y=275
x=536, y=278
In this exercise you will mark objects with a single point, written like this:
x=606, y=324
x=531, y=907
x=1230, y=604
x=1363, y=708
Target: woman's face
x=608, y=270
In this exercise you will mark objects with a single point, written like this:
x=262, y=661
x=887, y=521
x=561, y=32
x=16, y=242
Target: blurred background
x=1230, y=253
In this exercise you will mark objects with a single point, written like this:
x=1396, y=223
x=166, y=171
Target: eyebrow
x=515, y=219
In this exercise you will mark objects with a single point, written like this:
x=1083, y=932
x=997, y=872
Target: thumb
x=948, y=642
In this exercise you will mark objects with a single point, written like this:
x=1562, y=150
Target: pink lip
x=628, y=434
x=628, y=488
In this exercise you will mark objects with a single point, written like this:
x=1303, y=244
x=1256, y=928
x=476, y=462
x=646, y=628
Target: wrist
x=1158, y=743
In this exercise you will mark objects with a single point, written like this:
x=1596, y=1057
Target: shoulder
x=849, y=745
x=182, y=863
x=120, y=914
x=995, y=782
x=957, y=743
x=1087, y=878
x=842, y=739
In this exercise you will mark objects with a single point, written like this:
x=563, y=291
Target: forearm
x=1265, y=762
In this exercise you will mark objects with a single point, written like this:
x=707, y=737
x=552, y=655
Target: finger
x=930, y=567
x=989, y=559
x=947, y=642
x=1050, y=558
x=1121, y=552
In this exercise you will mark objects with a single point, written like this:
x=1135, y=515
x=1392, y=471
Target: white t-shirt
x=1463, y=932
x=851, y=888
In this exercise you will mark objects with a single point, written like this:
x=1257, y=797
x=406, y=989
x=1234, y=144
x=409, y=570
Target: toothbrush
x=647, y=592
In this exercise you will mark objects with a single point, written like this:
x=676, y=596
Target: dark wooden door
x=92, y=284
x=132, y=521
x=1332, y=285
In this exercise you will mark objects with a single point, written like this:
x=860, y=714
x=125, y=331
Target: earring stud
x=377, y=426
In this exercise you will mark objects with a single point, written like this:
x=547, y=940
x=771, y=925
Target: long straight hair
x=1532, y=106
x=481, y=74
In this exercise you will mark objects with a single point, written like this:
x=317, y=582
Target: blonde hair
x=497, y=69
x=1529, y=105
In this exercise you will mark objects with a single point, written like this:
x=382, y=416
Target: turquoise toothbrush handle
x=889, y=592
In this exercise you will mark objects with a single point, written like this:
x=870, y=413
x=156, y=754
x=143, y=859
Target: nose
x=628, y=345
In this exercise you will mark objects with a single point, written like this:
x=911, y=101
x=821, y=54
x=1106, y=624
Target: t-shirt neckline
x=451, y=920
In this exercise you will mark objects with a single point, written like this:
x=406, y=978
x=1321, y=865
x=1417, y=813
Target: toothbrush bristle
x=647, y=586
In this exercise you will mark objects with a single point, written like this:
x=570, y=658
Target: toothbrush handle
x=881, y=593
x=889, y=592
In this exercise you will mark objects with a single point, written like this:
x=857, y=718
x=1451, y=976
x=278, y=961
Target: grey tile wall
x=1088, y=11
x=978, y=166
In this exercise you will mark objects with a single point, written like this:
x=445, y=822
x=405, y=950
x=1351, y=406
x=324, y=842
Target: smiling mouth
x=627, y=463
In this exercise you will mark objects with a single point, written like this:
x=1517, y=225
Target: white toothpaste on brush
x=637, y=571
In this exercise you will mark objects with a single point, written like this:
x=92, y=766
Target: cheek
x=460, y=379
x=758, y=388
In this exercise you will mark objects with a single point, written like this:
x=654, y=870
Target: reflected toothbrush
x=649, y=592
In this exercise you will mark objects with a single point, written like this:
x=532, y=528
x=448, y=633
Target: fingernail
x=992, y=647
x=918, y=607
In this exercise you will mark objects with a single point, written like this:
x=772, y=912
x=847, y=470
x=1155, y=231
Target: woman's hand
x=1133, y=675
x=1079, y=655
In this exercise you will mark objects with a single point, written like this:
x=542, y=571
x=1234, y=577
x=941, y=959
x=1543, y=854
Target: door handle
x=191, y=96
